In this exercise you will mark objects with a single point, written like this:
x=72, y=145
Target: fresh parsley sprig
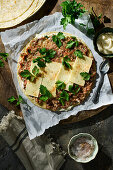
x=79, y=54
x=65, y=62
x=12, y=99
x=71, y=10
x=64, y=96
x=72, y=44
x=39, y=61
x=45, y=94
x=1, y=63
x=35, y=71
x=47, y=54
x=4, y=56
x=74, y=88
x=85, y=75
x=26, y=74
x=60, y=85
x=57, y=39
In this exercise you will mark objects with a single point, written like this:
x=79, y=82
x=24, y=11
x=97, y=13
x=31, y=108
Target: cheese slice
x=48, y=79
x=80, y=65
x=33, y=88
x=50, y=76
x=64, y=74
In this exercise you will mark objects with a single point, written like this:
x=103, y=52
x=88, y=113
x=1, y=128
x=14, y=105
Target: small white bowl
x=90, y=137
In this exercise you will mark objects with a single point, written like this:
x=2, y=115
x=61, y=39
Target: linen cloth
x=36, y=154
x=38, y=119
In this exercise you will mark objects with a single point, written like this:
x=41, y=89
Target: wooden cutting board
x=7, y=88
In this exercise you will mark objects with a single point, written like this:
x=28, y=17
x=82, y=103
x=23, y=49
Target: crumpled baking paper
x=38, y=119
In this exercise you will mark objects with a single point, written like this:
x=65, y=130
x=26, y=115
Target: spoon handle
x=97, y=93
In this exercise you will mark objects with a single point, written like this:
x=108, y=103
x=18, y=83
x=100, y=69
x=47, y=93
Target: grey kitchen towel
x=36, y=154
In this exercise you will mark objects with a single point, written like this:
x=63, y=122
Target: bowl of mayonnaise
x=103, y=42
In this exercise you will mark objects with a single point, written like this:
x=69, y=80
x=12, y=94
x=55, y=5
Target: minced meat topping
x=32, y=52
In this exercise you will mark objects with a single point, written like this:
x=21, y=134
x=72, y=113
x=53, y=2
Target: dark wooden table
x=100, y=126
x=7, y=88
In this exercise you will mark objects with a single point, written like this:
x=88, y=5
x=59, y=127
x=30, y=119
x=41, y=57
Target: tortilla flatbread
x=55, y=71
x=13, y=12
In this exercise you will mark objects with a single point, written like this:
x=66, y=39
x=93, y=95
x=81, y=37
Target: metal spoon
x=104, y=67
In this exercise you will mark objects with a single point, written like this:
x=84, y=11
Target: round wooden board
x=82, y=115
x=7, y=88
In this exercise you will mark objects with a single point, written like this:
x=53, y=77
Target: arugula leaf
x=85, y=75
x=39, y=61
x=26, y=74
x=12, y=99
x=79, y=54
x=18, y=101
x=74, y=89
x=72, y=44
x=60, y=85
x=1, y=63
x=71, y=10
x=45, y=94
x=64, y=96
x=65, y=63
x=57, y=39
x=4, y=55
x=35, y=70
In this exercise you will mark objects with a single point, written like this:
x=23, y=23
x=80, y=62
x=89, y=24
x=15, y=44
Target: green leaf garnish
x=72, y=44
x=65, y=62
x=39, y=61
x=71, y=10
x=57, y=39
x=18, y=101
x=45, y=94
x=4, y=55
x=81, y=24
x=46, y=36
x=79, y=54
x=43, y=51
x=1, y=63
x=47, y=54
x=90, y=31
x=64, y=96
x=74, y=89
x=12, y=99
x=35, y=71
x=26, y=74
x=85, y=75
x=60, y=85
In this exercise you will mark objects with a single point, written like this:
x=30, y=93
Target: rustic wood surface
x=7, y=88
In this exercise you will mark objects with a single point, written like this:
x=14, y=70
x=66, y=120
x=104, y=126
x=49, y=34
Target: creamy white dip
x=105, y=43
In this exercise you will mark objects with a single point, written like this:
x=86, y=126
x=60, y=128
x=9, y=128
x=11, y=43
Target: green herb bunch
x=71, y=10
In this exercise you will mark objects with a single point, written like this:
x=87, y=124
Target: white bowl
x=90, y=137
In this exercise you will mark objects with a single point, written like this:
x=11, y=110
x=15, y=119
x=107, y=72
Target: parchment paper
x=37, y=119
